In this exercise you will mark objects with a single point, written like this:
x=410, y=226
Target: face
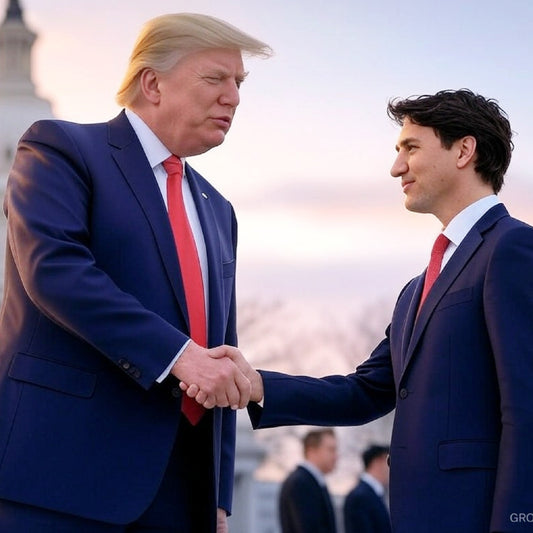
x=381, y=470
x=196, y=100
x=428, y=172
x=325, y=455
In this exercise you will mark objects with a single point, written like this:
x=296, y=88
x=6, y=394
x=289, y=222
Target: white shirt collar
x=463, y=222
x=374, y=483
x=155, y=150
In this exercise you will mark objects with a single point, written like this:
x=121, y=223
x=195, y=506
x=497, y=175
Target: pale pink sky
x=306, y=164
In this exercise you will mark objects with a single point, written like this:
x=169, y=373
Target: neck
x=463, y=199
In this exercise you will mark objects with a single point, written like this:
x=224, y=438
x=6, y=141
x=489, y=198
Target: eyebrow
x=223, y=73
x=406, y=141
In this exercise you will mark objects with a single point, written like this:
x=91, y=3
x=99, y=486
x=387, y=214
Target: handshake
x=218, y=377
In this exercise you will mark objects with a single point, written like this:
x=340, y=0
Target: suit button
x=176, y=392
x=124, y=364
x=136, y=373
x=403, y=394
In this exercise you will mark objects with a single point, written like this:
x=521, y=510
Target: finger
x=244, y=388
x=211, y=402
x=200, y=396
x=218, y=352
x=238, y=392
x=226, y=394
x=193, y=390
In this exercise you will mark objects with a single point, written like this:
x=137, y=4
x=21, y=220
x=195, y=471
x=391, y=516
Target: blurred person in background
x=365, y=509
x=305, y=504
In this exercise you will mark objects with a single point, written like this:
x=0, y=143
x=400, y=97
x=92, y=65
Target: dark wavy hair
x=456, y=114
x=373, y=452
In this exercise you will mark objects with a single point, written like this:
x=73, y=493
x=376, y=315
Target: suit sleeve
x=357, y=398
x=509, y=316
x=48, y=206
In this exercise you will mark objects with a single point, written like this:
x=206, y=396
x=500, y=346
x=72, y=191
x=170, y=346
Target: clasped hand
x=218, y=377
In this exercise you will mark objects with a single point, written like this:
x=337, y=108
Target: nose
x=231, y=95
x=399, y=167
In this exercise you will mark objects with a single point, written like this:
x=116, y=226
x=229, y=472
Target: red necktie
x=434, y=266
x=191, y=271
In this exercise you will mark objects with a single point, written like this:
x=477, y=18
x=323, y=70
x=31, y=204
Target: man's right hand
x=202, y=396
x=215, y=374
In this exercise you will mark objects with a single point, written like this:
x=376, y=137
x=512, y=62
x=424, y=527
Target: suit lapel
x=453, y=268
x=206, y=214
x=136, y=170
x=410, y=317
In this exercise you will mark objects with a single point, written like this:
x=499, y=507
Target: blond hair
x=164, y=40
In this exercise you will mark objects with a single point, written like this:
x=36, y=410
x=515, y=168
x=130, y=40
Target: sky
x=306, y=164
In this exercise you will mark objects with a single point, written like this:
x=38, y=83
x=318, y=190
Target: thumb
x=219, y=352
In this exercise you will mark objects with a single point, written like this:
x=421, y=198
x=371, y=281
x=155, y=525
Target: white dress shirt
x=156, y=152
x=464, y=221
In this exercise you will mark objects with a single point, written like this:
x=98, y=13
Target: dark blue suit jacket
x=365, y=512
x=94, y=311
x=461, y=379
x=305, y=506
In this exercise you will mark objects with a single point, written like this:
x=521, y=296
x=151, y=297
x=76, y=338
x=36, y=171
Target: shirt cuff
x=167, y=370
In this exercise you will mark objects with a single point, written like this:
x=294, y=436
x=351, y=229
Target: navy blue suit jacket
x=304, y=506
x=94, y=311
x=461, y=379
x=365, y=512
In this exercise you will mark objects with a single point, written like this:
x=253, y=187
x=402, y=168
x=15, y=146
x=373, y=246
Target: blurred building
x=20, y=105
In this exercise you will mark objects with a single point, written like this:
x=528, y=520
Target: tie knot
x=173, y=166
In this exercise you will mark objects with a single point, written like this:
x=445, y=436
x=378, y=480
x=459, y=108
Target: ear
x=467, y=151
x=149, y=85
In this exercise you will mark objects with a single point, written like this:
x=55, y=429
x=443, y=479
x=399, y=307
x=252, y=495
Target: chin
x=413, y=206
x=215, y=141
x=205, y=147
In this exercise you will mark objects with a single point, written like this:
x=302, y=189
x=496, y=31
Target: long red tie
x=435, y=262
x=191, y=271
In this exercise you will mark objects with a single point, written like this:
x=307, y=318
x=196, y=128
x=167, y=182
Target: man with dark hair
x=457, y=359
x=304, y=501
x=365, y=510
x=457, y=114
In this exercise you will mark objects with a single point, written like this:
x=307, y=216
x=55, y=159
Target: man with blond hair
x=120, y=281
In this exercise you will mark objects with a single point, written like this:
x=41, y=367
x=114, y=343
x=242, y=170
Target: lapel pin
x=204, y=195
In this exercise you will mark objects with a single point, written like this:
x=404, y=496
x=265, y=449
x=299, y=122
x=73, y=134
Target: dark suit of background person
x=94, y=312
x=305, y=504
x=460, y=374
x=364, y=507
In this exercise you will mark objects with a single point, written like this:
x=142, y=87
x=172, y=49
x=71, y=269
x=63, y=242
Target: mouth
x=406, y=185
x=223, y=122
